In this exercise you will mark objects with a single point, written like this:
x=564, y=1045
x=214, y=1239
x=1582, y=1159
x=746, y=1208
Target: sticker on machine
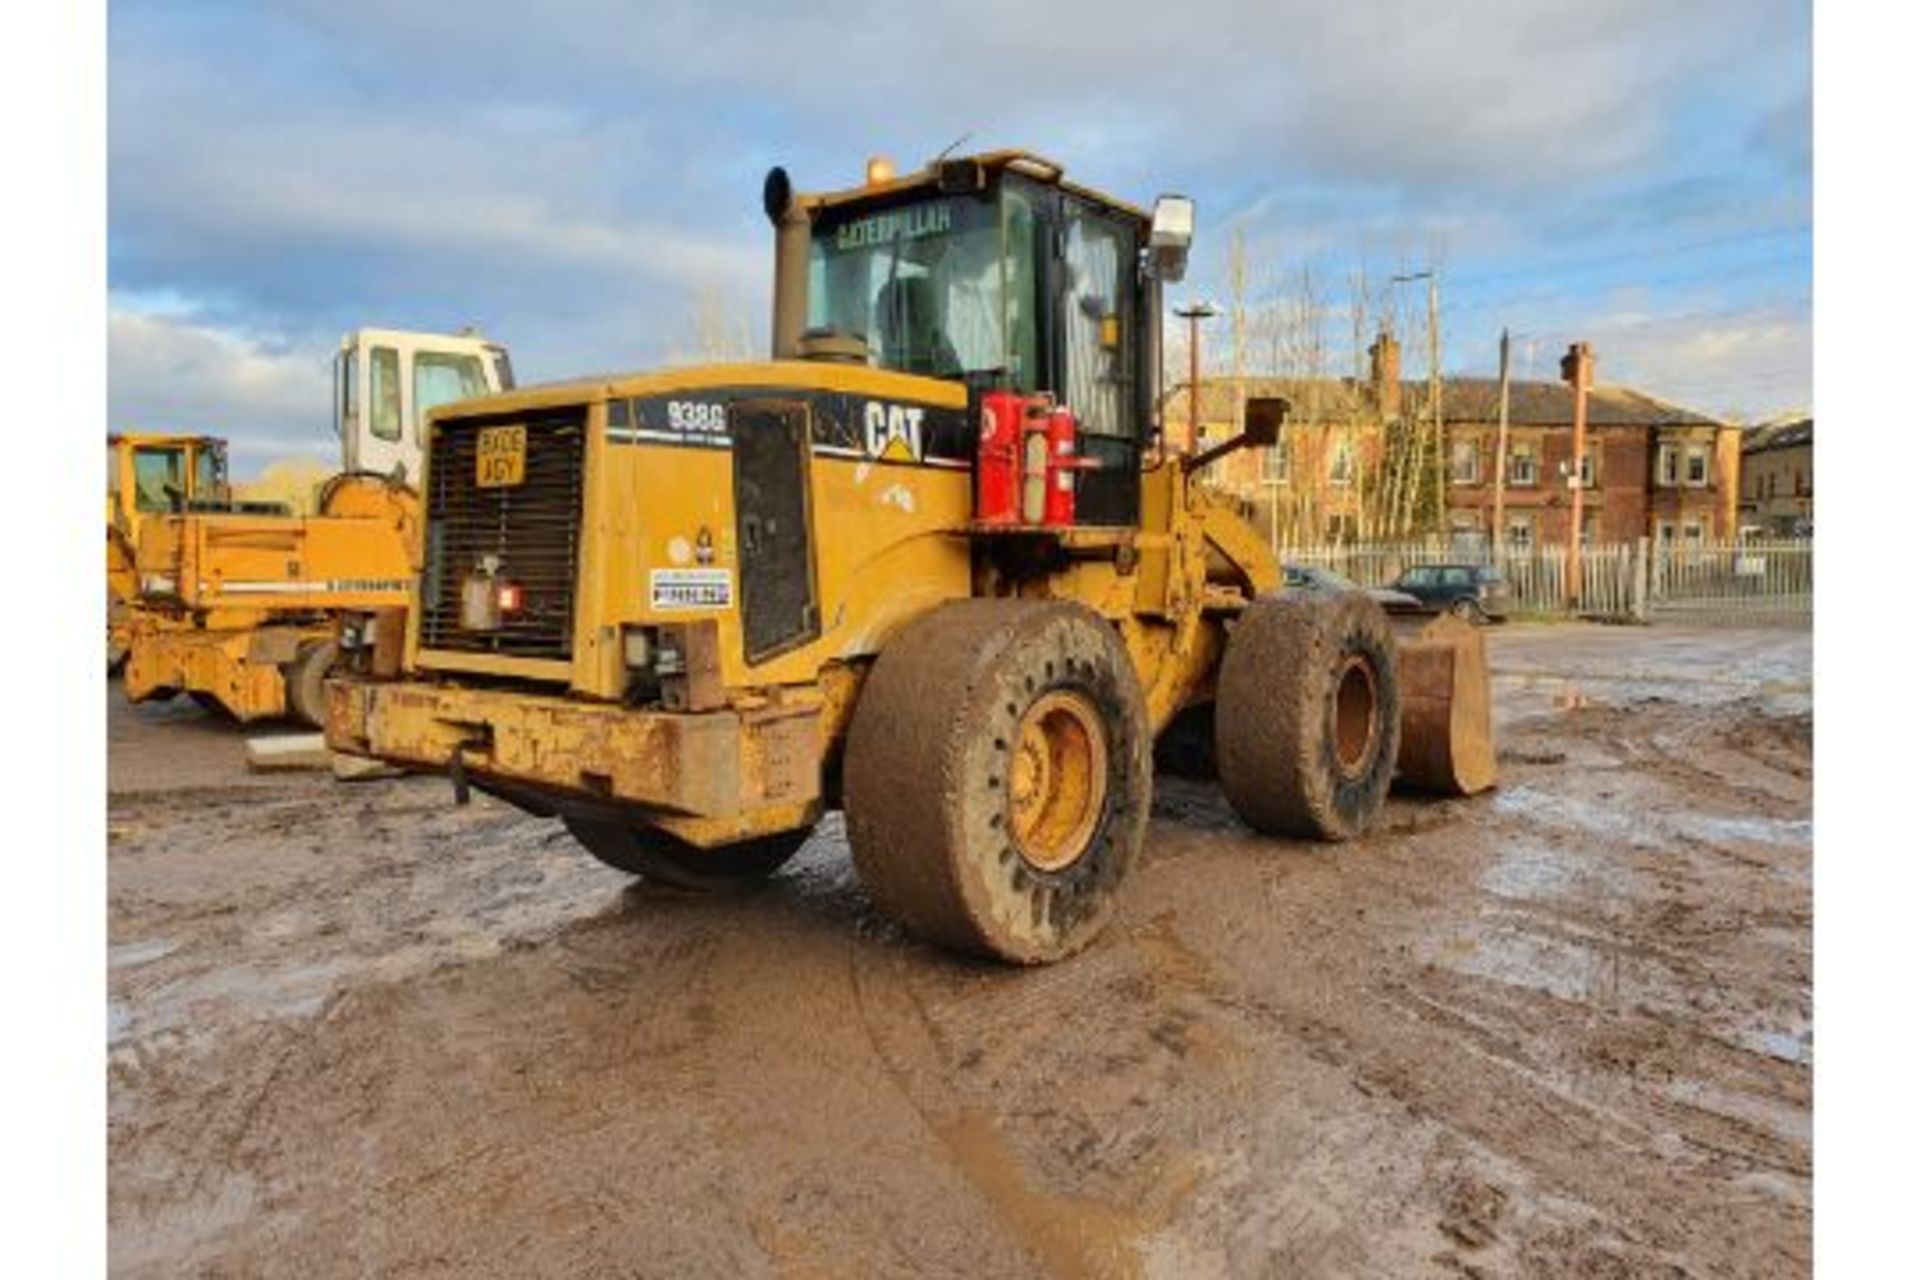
x=691, y=588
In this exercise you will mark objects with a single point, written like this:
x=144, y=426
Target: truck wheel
x=998, y=775
x=306, y=678
x=1307, y=715
x=654, y=855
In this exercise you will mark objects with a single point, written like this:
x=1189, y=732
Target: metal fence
x=1629, y=580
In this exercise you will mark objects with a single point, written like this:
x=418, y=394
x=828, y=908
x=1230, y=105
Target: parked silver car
x=1313, y=577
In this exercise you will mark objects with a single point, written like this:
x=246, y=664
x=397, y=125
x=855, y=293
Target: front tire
x=998, y=776
x=666, y=859
x=306, y=679
x=1307, y=715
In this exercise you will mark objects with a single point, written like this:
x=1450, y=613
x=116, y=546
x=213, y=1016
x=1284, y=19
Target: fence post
x=1642, y=568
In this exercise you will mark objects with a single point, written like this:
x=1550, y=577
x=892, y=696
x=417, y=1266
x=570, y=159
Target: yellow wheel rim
x=1057, y=784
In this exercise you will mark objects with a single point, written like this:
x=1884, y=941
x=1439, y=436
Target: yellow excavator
x=234, y=603
x=931, y=565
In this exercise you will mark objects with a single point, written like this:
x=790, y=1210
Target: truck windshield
x=441, y=377
x=940, y=285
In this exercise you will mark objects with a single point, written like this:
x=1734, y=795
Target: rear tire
x=1307, y=716
x=998, y=775
x=306, y=678
x=656, y=856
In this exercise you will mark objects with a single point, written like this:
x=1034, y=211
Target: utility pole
x=1576, y=368
x=1500, y=452
x=1434, y=382
x=1193, y=314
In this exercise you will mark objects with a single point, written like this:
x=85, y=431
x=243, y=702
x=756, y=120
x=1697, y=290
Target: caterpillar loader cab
x=930, y=564
x=236, y=603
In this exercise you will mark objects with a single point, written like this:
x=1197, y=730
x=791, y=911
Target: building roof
x=1529, y=403
x=1783, y=434
x=1550, y=404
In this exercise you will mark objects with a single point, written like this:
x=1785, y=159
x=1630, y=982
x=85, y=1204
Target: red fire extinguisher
x=1028, y=452
x=997, y=469
x=1063, y=442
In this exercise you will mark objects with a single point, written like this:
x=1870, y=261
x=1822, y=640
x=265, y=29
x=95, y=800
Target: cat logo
x=893, y=432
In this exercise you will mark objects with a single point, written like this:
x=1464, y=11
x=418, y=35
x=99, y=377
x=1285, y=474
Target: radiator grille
x=532, y=527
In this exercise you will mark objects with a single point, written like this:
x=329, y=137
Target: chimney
x=1385, y=354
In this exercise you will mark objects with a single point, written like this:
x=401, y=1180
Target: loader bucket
x=1446, y=706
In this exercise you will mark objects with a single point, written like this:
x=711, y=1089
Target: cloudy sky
x=574, y=176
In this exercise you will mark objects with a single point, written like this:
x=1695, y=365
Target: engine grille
x=532, y=527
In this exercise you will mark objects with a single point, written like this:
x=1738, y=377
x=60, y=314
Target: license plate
x=501, y=458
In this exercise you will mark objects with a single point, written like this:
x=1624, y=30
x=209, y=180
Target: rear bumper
x=707, y=775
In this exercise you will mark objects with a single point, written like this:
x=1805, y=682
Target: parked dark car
x=1476, y=592
x=1313, y=577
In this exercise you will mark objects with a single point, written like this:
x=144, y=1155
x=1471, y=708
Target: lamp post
x=1193, y=313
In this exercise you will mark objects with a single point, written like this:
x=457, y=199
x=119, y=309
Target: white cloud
x=1753, y=362
x=169, y=372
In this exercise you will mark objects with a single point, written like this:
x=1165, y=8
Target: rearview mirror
x=1264, y=417
x=1170, y=238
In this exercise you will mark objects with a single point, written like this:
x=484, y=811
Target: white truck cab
x=386, y=380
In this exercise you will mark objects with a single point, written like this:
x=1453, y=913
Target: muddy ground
x=1563, y=1030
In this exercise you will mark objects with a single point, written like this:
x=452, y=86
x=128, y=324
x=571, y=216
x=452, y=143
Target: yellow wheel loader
x=235, y=603
x=931, y=565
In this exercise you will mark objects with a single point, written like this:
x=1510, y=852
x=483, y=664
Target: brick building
x=1776, y=478
x=1652, y=469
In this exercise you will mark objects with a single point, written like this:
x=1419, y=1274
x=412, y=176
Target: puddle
x=1775, y=831
x=1526, y=869
x=1788, y=1046
x=124, y=954
x=1550, y=809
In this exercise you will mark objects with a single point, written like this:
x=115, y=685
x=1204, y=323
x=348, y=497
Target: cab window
x=440, y=378
x=210, y=476
x=1096, y=327
x=922, y=281
x=385, y=385
x=157, y=477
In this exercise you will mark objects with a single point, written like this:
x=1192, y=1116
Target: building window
x=1276, y=464
x=1696, y=466
x=1520, y=467
x=1520, y=532
x=1667, y=466
x=1663, y=533
x=1588, y=469
x=1466, y=462
x=1693, y=533
x=1589, y=528
x=1342, y=528
x=1340, y=465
